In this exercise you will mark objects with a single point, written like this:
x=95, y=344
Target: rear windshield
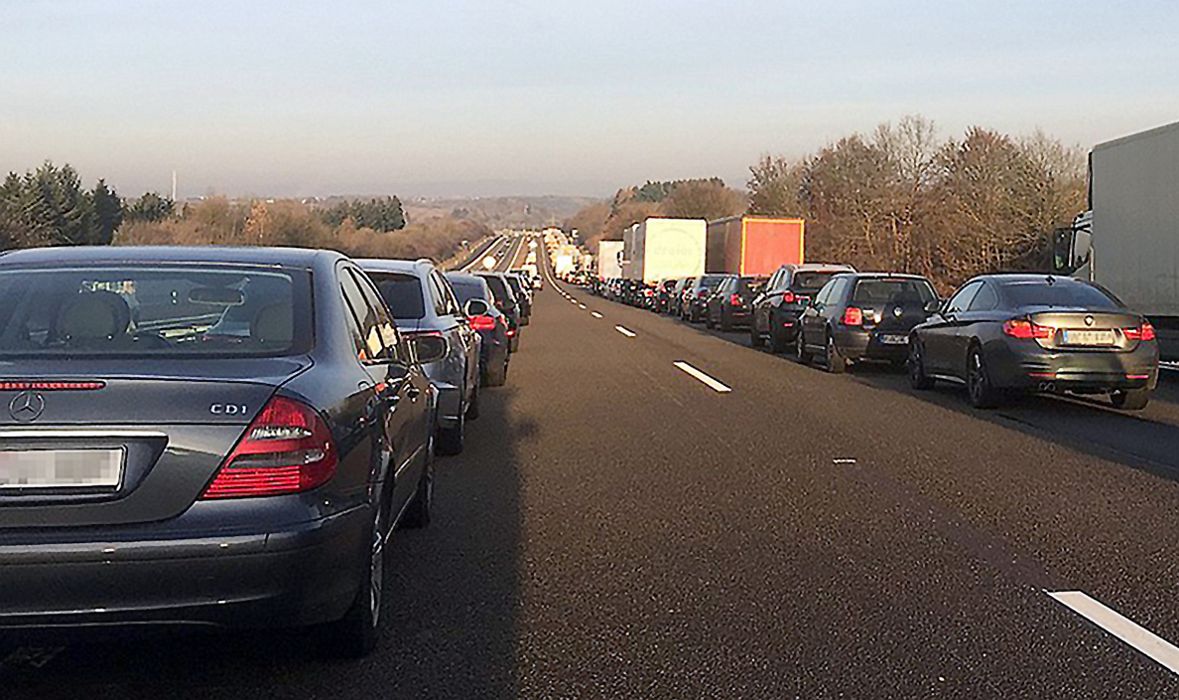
x=514, y=283
x=153, y=311
x=810, y=281
x=500, y=290
x=466, y=291
x=892, y=291
x=711, y=281
x=1063, y=294
x=753, y=285
x=403, y=294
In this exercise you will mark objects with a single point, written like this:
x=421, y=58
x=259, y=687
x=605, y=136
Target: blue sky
x=455, y=97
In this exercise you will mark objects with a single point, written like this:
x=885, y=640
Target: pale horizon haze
x=462, y=98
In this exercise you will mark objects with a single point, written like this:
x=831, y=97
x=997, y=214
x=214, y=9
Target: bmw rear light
x=1026, y=330
x=853, y=316
x=286, y=449
x=789, y=297
x=483, y=323
x=734, y=300
x=1144, y=332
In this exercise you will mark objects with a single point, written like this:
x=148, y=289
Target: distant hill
x=499, y=212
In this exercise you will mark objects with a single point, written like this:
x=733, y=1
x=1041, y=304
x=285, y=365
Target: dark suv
x=864, y=316
x=783, y=299
x=695, y=296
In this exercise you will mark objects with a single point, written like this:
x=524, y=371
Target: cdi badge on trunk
x=27, y=406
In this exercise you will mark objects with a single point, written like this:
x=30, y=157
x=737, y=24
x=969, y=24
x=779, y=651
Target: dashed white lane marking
x=709, y=381
x=1121, y=627
x=581, y=306
x=595, y=314
x=843, y=460
x=625, y=331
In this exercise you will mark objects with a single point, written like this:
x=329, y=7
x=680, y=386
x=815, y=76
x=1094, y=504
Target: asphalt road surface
x=651, y=510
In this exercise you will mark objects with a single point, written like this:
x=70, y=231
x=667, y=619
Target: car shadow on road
x=449, y=623
x=1083, y=423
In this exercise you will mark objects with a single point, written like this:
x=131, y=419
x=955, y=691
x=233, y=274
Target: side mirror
x=475, y=307
x=933, y=306
x=429, y=348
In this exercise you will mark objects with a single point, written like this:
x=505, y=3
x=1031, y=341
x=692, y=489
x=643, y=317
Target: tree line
x=49, y=207
x=902, y=199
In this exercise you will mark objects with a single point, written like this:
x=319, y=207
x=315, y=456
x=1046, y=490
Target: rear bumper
x=867, y=345
x=785, y=323
x=306, y=574
x=1014, y=365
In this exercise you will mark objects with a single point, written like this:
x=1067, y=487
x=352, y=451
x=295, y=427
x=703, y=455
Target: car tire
x=778, y=341
x=756, y=340
x=355, y=636
x=708, y=318
x=979, y=390
x=473, y=405
x=1130, y=399
x=450, y=440
x=836, y=363
x=418, y=512
x=918, y=379
x=801, y=355
x=497, y=375
x=725, y=324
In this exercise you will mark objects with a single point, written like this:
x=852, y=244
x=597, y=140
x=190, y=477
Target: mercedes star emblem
x=27, y=406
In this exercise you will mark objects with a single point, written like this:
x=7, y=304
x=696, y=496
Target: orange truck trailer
x=754, y=245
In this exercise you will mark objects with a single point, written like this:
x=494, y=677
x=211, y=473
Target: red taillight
x=789, y=297
x=483, y=323
x=702, y=293
x=734, y=300
x=853, y=316
x=1145, y=332
x=286, y=449
x=511, y=332
x=1026, y=330
x=51, y=386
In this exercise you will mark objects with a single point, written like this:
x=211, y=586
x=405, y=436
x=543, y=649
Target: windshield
x=403, y=294
x=151, y=311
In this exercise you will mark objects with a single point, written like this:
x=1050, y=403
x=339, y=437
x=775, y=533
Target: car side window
x=372, y=345
x=353, y=325
x=962, y=298
x=985, y=300
x=452, y=306
x=385, y=325
x=436, y=296
x=824, y=293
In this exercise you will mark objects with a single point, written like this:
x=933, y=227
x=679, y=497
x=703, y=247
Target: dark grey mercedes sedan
x=204, y=436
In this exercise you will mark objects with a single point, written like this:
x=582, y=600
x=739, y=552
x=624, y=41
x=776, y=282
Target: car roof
x=419, y=267
x=217, y=255
x=882, y=275
x=464, y=278
x=1027, y=277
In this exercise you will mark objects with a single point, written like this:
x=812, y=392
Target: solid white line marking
x=1121, y=627
x=595, y=314
x=1167, y=364
x=624, y=331
x=712, y=383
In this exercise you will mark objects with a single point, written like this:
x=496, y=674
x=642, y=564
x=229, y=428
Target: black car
x=863, y=316
x=664, y=293
x=1036, y=333
x=490, y=322
x=777, y=308
x=695, y=297
x=506, y=301
x=204, y=437
x=523, y=294
x=730, y=306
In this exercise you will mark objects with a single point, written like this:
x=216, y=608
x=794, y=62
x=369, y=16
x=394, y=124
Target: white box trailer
x=1129, y=240
x=660, y=249
x=609, y=255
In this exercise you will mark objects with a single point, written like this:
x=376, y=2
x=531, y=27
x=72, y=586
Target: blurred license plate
x=1088, y=337
x=55, y=469
x=894, y=339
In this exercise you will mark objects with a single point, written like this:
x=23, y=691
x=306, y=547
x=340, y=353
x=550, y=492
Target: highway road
x=649, y=509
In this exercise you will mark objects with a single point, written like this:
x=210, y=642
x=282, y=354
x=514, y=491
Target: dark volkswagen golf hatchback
x=206, y=436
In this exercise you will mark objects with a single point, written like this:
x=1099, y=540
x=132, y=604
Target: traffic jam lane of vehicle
x=642, y=317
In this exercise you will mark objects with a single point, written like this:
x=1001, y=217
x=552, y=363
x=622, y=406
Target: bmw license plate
x=890, y=339
x=1089, y=337
x=55, y=469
